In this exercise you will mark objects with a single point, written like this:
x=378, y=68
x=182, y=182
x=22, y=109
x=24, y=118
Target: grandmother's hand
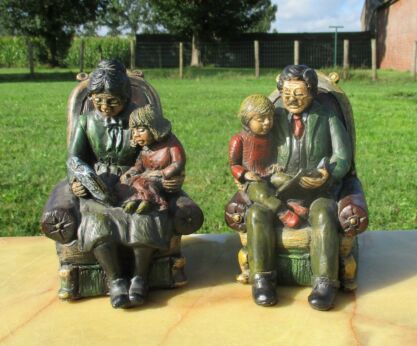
x=78, y=189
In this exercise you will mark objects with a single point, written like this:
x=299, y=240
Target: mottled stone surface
x=212, y=309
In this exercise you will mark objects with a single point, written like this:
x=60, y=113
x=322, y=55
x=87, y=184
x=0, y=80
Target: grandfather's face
x=108, y=105
x=296, y=96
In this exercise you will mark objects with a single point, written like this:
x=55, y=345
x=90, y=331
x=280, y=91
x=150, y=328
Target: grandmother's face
x=108, y=105
x=296, y=96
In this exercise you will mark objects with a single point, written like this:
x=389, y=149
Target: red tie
x=298, y=125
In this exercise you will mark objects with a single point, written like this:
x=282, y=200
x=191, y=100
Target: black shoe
x=138, y=291
x=264, y=289
x=323, y=294
x=119, y=293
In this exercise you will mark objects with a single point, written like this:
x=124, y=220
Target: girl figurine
x=252, y=156
x=161, y=157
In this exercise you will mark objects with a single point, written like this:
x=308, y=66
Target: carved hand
x=155, y=173
x=316, y=180
x=78, y=189
x=125, y=178
x=173, y=184
x=251, y=176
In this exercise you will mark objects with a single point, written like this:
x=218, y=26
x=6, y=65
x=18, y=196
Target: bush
x=13, y=52
x=98, y=48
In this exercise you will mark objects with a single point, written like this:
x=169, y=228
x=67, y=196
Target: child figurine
x=162, y=157
x=252, y=156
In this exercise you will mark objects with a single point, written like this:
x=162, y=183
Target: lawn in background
x=202, y=108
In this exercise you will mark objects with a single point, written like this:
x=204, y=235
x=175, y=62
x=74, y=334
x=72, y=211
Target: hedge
x=14, y=51
x=98, y=48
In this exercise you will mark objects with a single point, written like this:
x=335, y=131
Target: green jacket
x=326, y=136
x=95, y=141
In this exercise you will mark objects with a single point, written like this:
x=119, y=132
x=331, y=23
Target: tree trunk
x=195, y=52
x=51, y=43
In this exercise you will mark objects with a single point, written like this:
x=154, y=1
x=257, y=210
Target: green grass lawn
x=202, y=108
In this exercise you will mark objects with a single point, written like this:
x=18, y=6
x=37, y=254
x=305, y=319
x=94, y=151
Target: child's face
x=261, y=124
x=142, y=136
x=108, y=105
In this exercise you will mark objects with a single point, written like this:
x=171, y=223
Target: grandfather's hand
x=316, y=180
x=173, y=184
x=78, y=189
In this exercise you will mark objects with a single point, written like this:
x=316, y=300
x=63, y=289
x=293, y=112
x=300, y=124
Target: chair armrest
x=61, y=214
x=352, y=207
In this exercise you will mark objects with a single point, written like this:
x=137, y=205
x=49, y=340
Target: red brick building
x=395, y=25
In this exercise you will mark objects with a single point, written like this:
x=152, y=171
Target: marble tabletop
x=212, y=309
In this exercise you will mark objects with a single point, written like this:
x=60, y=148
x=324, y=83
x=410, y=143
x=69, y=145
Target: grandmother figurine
x=123, y=240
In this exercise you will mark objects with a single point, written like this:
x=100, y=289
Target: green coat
x=326, y=136
x=92, y=141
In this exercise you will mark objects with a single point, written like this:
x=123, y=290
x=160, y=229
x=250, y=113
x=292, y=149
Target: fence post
x=414, y=62
x=82, y=47
x=159, y=56
x=100, y=52
x=345, y=59
x=256, y=49
x=181, y=60
x=373, y=48
x=296, y=52
x=132, y=54
x=30, y=58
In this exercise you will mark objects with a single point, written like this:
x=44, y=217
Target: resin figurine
x=313, y=176
x=104, y=244
x=162, y=157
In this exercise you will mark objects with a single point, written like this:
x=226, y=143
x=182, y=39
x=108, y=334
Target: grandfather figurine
x=314, y=148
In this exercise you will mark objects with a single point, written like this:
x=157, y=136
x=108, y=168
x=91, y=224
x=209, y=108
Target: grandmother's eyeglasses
x=108, y=101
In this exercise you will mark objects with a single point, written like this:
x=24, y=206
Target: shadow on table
x=386, y=258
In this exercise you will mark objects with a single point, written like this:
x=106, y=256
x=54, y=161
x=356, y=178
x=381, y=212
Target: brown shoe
x=289, y=218
x=298, y=208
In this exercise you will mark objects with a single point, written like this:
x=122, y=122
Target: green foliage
x=130, y=15
x=98, y=48
x=13, y=52
x=211, y=20
x=54, y=21
x=207, y=20
x=202, y=108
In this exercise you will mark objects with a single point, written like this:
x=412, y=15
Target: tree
x=211, y=20
x=126, y=15
x=264, y=24
x=52, y=20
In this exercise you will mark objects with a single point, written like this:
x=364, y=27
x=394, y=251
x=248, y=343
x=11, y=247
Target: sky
x=317, y=15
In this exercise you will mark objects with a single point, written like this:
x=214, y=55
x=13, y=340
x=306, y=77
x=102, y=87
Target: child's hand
x=251, y=176
x=155, y=173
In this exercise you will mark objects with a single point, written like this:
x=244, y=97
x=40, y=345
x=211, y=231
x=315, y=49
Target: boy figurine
x=161, y=157
x=252, y=156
